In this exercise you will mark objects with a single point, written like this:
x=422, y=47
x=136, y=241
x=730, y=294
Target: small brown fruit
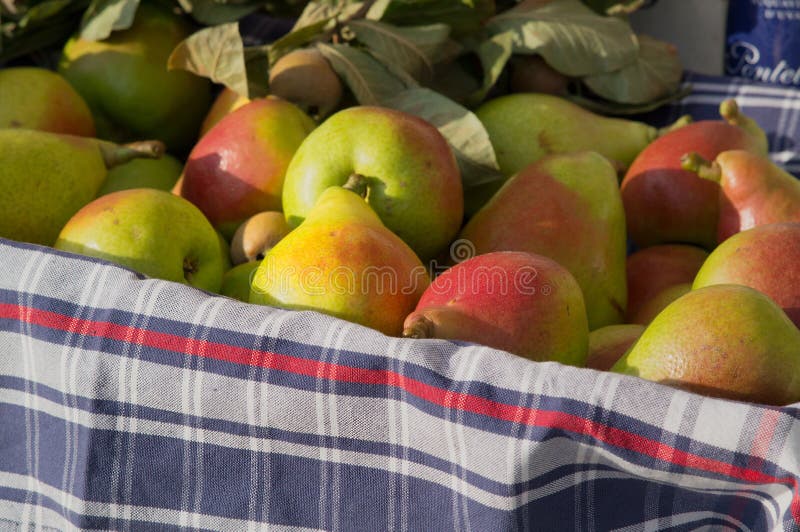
x=257, y=235
x=305, y=78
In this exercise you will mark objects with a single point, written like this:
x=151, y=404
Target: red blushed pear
x=754, y=191
x=665, y=203
x=608, y=344
x=519, y=302
x=766, y=258
x=38, y=98
x=225, y=103
x=566, y=207
x=652, y=270
x=404, y=163
x=237, y=169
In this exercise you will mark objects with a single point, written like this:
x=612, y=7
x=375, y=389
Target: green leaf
x=606, y=107
x=43, y=11
x=213, y=12
x=463, y=17
x=296, y=39
x=493, y=53
x=106, y=16
x=317, y=11
x=410, y=49
x=369, y=81
x=571, y=37
x=609, y=7
x=462, y=129
x=256, y=63
x=656, y=73
x=216, y=53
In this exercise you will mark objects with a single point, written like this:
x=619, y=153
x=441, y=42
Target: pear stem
x=694, y=162
x=418, y=326
x=357, y=183
x=116, y=154
x=684, y=120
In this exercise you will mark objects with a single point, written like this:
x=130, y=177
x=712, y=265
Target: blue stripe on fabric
x=116, y=409
x=157, y=466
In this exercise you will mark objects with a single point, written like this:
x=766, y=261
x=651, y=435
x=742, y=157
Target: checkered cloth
x=137, y=404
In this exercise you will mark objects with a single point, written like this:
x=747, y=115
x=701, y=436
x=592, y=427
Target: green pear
x=566, y=207
x=405, y=165
x=47, y=177
x=151, y=231
x=237, y=280
x=161, y=173
x=128, y=87
x=524, y=127
x=726, y=340
x=37, y=98
x=344, y=262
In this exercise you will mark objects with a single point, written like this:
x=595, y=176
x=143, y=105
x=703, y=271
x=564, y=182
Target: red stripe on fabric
x=433, y=394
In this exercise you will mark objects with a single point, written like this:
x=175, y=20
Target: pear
x=305, y=78
x=226, y=102
x=608, y=344
x=665, y=203
x=257, y=235
x=523, y=303
x=161, y=173
x=766, y=258
x=651, y=270
x=47, y=177
x=344, y=262
x=236, y=281
x=38, y=98
x=754, y=190
x=531, y=73
x=728, y=341
x=653, y=306
x=125, y=80
x=566, y=207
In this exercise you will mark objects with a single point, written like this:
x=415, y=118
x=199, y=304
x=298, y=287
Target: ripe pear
x=519, y=302
x=524, y=127
x=344, y=262
x=608, y=344
x=161, y=173
x=754, y=190
x=653, y=307
x=47, y=177
x=407, y=168
x=238, y=168
x=37, y=98
x=729, y=341
x=152, y=232
x=651, y=270
x=225, y=103
x=665, y=203
x=125, y=81
x=305, y=78
x=766, y=257
x=257, y=235
x=566, y=207
x=531, y=73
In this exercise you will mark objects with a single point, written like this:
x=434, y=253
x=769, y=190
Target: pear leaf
x=213, y=12
x=462, y=129
x=215, y=52
x=615, y=7
x=464, y=17
x=369, y=80
x=318, y=11
x=105, y=16
x=656, y=73
x=411, y=49
x=377, y=9
x=571, y=37
x=296, y=38
x=43, y=11
x=493, y=53
x=605, y=107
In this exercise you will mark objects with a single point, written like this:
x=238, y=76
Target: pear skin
x=728, y=341
x=766, y=258
x=305, y=78
x=344, y=262
x=608, y=344
x=754, y=190
x=161, y=173
x=238, y=168
x=566, y=207
x=653, y=307
x=48, y=177
x=665, y=203
x=651, y=270
x=522, y=303
x=257, y=235
x=226, y=102
x=236, y=281
x=38, y=98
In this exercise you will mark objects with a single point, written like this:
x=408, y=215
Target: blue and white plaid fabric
x=136, y=404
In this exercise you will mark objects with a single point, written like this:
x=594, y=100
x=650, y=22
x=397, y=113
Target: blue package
x=763, y=41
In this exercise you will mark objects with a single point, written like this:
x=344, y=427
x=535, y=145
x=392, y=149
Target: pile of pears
x=668, y=254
